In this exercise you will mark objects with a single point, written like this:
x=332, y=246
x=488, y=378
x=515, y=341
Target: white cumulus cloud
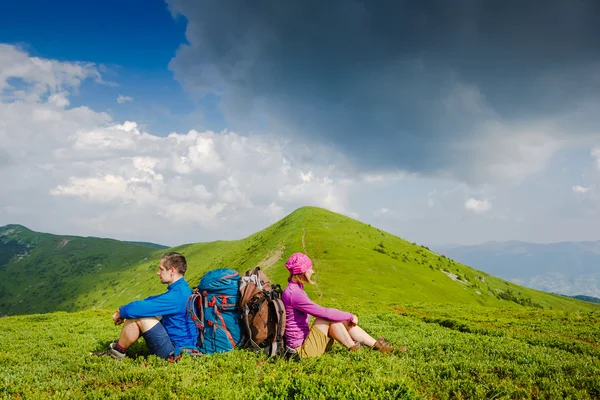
x=110, y=178
x=76, y=170
x=41, y=76
x=381, y=211
x=580, y=189
x=124, y=99
x=478, y=206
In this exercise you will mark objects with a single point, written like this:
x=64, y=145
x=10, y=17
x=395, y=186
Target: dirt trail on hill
x=320, y=293
x=303, y=235
x=272, y=258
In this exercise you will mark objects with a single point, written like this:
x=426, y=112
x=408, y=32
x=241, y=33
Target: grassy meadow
x=469, y=334
x=454, y=352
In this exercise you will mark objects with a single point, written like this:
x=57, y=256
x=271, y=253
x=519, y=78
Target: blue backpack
x=214, y=309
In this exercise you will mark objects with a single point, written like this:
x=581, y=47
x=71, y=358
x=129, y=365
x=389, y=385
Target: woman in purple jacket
x=330, y=324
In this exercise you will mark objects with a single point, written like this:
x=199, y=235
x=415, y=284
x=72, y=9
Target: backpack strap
x=224, y=326
x=249, y=341
x=195, y=312
x=276, y=295
x=280, y=311
x=278, y=347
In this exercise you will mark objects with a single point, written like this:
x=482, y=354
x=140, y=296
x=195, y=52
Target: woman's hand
x=354, y=321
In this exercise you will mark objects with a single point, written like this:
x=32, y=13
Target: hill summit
x=352, y=260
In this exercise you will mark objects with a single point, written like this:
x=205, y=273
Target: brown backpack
x=262, y=314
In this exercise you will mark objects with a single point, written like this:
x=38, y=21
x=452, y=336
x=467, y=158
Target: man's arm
x=154, y=306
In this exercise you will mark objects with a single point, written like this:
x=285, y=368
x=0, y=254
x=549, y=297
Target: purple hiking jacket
x=299, y=308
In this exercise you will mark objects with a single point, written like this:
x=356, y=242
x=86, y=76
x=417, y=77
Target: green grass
x=454, y=352
x=475, y=336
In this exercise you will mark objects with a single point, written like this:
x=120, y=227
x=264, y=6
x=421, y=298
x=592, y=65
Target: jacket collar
x=176, y=283
x=300, y=285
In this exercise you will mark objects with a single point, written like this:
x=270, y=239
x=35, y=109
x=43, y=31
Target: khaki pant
x=315, y=344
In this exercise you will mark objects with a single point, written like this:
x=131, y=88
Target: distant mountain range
x=569, y=268
x=591, y=299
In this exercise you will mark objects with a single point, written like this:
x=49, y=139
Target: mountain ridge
x=352, y=260
x=41, y=272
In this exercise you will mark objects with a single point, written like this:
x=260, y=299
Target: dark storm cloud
x=391, y=83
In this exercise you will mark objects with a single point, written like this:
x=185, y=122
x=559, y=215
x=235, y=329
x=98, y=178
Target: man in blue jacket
x=161, y=320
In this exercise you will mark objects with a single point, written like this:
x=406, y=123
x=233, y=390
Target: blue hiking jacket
x=171, y=306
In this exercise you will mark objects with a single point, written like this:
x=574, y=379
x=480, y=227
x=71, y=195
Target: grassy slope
x=456, y=347
x=353, y=261
x=356, y=261
x=40, y=272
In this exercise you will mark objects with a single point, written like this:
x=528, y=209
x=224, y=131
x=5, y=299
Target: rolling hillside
x=457, y=347
x=42, y=273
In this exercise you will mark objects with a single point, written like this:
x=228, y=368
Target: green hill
x=469, y=335
x=40, y=272
x=352, y=261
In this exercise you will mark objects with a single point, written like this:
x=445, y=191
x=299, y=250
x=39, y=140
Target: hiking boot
x=112, y=352
x=383, y=346
x=354, y=347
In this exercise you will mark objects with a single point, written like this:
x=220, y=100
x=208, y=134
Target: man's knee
x=145, y=324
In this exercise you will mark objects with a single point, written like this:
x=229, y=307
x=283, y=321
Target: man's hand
x=117, y=319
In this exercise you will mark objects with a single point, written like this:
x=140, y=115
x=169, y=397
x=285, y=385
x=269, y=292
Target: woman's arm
x=301, y=301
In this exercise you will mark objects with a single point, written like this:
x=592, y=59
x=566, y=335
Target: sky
x=186, y=121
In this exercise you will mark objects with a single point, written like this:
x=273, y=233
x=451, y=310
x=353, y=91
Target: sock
x=120, y=349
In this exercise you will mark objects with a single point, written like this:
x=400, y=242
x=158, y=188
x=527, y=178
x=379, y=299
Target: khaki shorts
x=315, y=344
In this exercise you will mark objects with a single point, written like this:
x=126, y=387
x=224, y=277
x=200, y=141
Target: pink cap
x=298, y=263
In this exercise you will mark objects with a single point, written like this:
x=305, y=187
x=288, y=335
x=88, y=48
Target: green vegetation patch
x=40, y=272
x=469, y=334
x=46, y=356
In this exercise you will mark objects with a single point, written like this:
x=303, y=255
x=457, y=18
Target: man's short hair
x=175, y=260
